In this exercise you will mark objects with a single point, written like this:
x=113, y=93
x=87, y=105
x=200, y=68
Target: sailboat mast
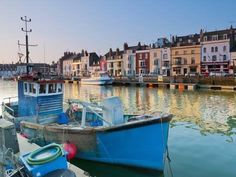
x=26, y=41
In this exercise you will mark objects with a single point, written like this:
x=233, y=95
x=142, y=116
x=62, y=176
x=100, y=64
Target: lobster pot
x=8, y=137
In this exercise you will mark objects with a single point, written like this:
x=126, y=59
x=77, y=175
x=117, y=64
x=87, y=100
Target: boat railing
x=7, y=102
x=91, y=107
x=10, y=98
x=10, y=110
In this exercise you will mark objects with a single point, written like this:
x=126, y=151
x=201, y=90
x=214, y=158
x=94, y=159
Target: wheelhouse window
x=52, y=88
x=25, y=87
x=59, y=87
x=42, y=88
x=32, y=88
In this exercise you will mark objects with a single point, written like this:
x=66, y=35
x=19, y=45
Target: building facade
x=68, y=67
x=186, y=59
x=186, y=54
x=114, y=61
x=129, y=60
x=215, y=51
x=160, y=61
x=233, y=61
x=143, y=62
x=166, y=61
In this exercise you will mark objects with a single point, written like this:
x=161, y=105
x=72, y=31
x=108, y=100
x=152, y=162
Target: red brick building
x=142, y=62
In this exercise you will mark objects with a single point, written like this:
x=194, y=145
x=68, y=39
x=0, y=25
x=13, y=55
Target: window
x=140, y=55
x=59, y=87
x=224, y=48
x=216, y=49
x=155, y=54
x=212, y=49
x=214, y=57
x=176, y=52
x=224, y=57
x=185, y=51
x=205, y=38
x=214, y=37
x=42, y=88
x=146, y=55
x=204, y=58
x=165, y=56
x=32, y=88
x=225, y=36
x=192, y=60
x=156, y=62
x=204, y=49
x=51, y=88
x=142, y=63
x=192, y=51
x=185, y=61
x=129, y=65
x=25, y=87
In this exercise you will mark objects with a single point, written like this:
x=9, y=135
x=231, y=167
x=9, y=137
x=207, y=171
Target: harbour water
x=202, y=137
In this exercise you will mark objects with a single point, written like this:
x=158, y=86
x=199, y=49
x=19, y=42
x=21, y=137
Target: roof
x=93, y=59
x=191, y=39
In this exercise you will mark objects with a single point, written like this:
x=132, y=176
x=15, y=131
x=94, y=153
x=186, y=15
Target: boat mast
x=26, y=41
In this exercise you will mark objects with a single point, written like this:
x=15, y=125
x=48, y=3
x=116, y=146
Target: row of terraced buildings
x=200, y=53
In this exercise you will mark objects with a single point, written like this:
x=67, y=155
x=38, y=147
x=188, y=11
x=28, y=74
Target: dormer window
x=225, y=36
x=214, y=37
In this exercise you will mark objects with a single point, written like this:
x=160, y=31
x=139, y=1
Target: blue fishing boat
x=99, y=132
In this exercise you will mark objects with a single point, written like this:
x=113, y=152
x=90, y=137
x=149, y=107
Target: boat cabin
x=40, y=97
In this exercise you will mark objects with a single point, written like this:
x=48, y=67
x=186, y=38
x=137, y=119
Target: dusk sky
x=97, y=25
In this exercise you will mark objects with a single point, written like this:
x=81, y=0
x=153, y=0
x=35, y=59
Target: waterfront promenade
x=180, y=82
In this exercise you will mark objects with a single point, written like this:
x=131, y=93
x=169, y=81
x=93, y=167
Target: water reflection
x=202, y=137
x=94, y=169
x=212, y=112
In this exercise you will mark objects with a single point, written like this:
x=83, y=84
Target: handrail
x=9, y=108
x=89, y=105
x=84, y=103
x=9, y=98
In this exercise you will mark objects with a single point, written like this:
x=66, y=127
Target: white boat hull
x=89, y=81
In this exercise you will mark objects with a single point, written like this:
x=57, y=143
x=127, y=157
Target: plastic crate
x=41, y=170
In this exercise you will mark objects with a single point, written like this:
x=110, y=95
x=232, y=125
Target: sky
x=97, y=25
